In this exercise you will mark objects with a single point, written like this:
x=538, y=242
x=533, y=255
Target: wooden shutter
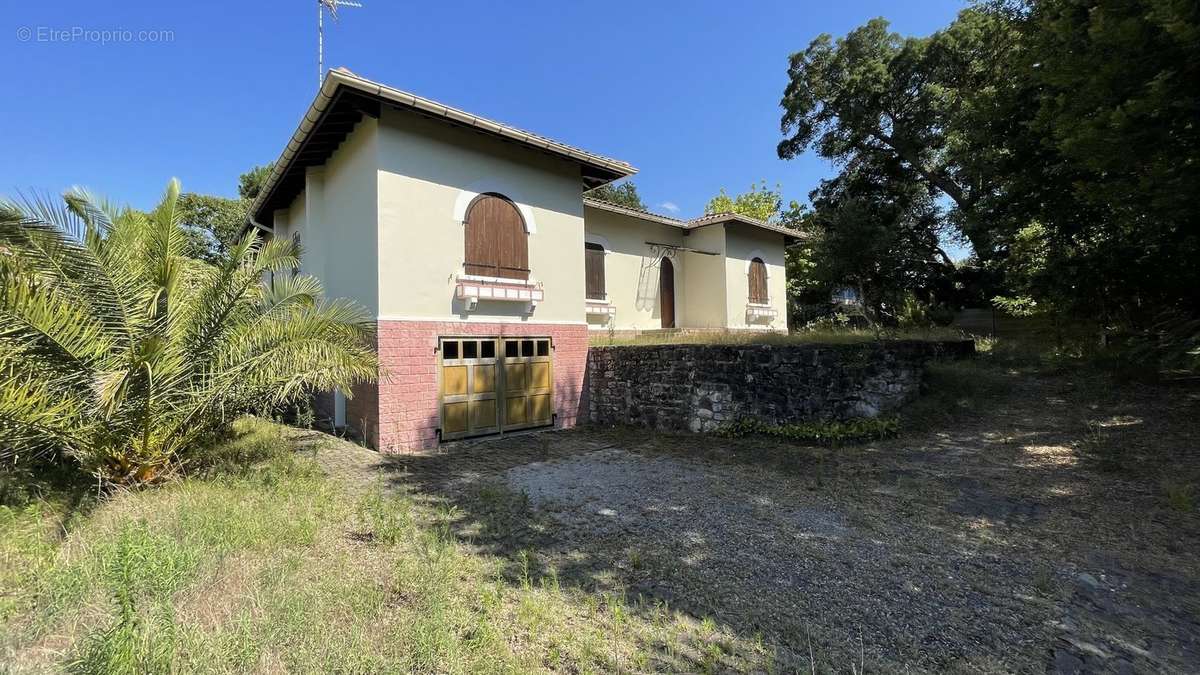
x=593, y=263
x=758, y=281
x=495, y=240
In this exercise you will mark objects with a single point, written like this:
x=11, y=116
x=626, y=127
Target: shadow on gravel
x=996, y=543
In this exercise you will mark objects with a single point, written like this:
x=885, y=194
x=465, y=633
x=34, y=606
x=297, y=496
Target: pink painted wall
x=401, y=412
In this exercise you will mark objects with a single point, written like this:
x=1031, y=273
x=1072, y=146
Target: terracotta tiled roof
x=344, y=97
x=630, y=211
x=710, y=219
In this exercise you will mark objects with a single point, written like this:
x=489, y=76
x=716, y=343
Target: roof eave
x=601, y=169
x=634, y=213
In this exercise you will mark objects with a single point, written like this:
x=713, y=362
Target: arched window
x=593, y=265
x=758, y=281
x=496, y=242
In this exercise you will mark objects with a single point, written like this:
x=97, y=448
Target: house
x=473, y=245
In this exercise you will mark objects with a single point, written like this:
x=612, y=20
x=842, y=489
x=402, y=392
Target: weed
x=953, y=390
x=389, y=518
x=504, y=512
x=818, y=433
x=1044, y=581
x=1180, y=496
x=1096, y=445
x=247, y=567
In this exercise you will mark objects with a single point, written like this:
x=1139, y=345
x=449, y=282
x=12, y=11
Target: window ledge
x=480, y=279
x=757, y=312
x=474, y=288
x=600, y=307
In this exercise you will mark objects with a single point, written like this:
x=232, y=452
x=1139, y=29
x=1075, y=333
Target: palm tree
x=119, y=351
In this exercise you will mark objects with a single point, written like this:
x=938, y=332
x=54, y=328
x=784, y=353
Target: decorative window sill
x=504, y=281
x=600, y=307
x=473, y=289
x=757, y=312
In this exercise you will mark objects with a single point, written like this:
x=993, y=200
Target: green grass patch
x=833, y=434
x=954, y=390
x=259, y=562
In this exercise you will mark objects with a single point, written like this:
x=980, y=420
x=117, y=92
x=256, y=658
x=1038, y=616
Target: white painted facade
x=381, y=221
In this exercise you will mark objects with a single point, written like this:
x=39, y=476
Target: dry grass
x=271, y=566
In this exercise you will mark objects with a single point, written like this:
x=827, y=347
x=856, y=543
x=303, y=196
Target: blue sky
x=686, y=91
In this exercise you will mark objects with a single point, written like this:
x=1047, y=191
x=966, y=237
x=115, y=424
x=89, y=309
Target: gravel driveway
x=989, y=547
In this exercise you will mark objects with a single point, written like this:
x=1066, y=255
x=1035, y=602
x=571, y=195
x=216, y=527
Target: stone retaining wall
x=699, y=387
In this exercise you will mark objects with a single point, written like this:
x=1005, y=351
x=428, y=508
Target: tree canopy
x=623, y=194
x=213, y=224
x=1058, y=136
x=758, y=202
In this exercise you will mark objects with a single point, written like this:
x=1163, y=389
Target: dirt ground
x=990, y=542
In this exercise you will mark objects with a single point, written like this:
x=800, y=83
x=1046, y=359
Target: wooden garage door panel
x=514, y=376
x=454, y=418
x=483, y=414
x=514, y=411
x=540, y=410
x=539, y=375
x=454, y=380
x=485, y=379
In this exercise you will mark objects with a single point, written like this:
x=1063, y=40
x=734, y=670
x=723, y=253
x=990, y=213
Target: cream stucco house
x=485, y=265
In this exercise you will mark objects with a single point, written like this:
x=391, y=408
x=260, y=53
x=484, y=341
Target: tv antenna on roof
x=332, y=6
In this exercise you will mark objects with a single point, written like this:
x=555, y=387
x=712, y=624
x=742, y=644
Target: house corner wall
x=743, y=244
x=336, y=219
x=704, y=279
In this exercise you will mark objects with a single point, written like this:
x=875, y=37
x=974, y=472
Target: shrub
x=119, y=351
x=818, y=433
x=1180, y=496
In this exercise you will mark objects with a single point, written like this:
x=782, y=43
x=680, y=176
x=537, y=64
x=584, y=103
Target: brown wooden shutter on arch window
x=496, y=242
x=758, y=281
x=593, y=265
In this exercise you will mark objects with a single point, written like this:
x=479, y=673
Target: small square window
x=511, y=348
x=487, y=349
x=470, y=349
x=526, y=347
x=543, y=348
x=450, y=349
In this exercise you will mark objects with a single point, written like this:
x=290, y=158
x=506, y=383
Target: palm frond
x=285, y=292
x=36, y=421
x=97, y=213
x=44, y=240
x=117, y=348
x=36, y=317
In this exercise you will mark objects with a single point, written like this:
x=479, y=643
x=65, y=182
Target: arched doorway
x=666, y=293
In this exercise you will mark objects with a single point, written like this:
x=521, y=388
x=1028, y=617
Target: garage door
x=491, y=385
x=468, y=387
x=527, y=383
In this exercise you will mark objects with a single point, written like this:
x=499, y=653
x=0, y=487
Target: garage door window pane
x=470, y=349
x=450, y=349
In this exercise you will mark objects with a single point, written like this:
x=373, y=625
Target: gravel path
x=987, y=547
